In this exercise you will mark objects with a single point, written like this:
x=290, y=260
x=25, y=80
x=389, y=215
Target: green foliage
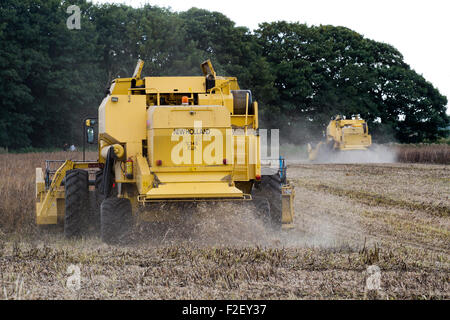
x=326, y=70
x=52, y=77
x=233, y=50
x=48, y=80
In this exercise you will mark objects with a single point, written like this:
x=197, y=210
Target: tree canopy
x=52, y=77
x=321, y=71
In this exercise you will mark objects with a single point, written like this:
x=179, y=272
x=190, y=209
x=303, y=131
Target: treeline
x=51, y=77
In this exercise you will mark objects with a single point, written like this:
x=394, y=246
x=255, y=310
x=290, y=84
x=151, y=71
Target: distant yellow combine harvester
x=342, y=135
x=164, y=139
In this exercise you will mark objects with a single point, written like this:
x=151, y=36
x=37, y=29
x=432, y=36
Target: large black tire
x=116, y=219
x=269, y=188
x=77, y=203
x=99, y=197
x=95, y=201
x=262, y=207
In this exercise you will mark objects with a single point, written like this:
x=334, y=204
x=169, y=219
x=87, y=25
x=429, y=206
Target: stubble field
x=348, y=217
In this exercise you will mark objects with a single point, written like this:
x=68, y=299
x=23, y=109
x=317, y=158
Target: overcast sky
x=418, y=29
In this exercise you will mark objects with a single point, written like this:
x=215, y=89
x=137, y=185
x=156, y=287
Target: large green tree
x=150, y=33
x=325, y=70
x=233, y=50
x=48, y=73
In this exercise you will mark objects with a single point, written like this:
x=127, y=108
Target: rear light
x=158, y=162
x=258, y=177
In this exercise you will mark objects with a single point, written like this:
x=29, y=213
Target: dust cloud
x=210, y=223
x=239, y=224
x=232, y=224
x=375, y=154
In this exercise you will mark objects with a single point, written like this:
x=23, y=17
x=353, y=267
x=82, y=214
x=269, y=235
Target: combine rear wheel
x=269, y=189
x=116, y=219
x=99, y=197
x=76, y=202
x=262, y=207
x=95, y=201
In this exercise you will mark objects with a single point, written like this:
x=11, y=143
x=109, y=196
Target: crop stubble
x=347, y=218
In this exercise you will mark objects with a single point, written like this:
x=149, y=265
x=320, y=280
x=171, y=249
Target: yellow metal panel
x=196, y=176
x=193, y=168
x=184, y=117
x=174, y=84
x=227, y=83
x=187, y=136
x=287, y=205
x=134, y=147
x=138, y=69
x=46, y=211
x=253, y=156
x=241, y=121
x=194, y=190
x=256, y=119
x=121, y=86
x=124, y=120
x=101, y=116
x=219, y=98
x=241, y=156
x=144, y=178
x=208, y=68
x=51, y=214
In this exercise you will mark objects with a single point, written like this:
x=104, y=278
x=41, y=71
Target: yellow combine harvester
x=160, y=140
x=342, y=135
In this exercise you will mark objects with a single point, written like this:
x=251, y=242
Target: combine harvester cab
x=342, y=135
x=160, y=140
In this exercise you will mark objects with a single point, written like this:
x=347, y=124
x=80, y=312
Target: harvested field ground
x=348, y=217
